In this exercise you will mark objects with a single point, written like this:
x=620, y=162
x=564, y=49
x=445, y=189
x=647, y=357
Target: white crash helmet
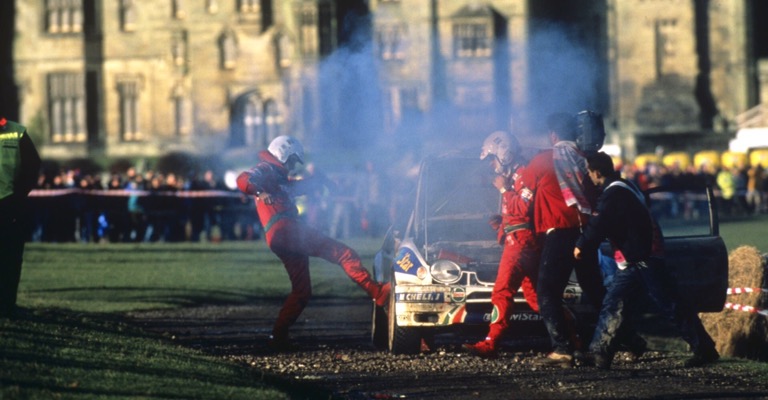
x=503, y=146
x=282, y=147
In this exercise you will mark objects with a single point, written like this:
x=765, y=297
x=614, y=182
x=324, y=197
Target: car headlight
x=445, y=271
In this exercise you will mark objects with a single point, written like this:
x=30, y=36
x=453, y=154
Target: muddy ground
x=334, y=359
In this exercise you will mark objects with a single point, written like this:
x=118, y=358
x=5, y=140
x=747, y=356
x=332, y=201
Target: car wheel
x=402, y=340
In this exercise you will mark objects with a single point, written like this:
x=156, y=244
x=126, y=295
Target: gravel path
x=333, y=359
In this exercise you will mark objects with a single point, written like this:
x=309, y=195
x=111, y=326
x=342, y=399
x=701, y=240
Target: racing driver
x=292, y=240
x=519, y=262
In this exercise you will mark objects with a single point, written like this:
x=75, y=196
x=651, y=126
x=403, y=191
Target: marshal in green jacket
x=19, y=162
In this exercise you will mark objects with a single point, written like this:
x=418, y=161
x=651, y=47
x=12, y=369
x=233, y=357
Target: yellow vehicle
x=759, y=157
x=708, y=160
x=731, y=159
x=642, y=160
x=680, y=159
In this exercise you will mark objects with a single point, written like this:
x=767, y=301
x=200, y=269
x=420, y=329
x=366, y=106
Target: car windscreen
x=455, y=200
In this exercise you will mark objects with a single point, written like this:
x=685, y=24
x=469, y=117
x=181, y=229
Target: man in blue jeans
x=623, y=218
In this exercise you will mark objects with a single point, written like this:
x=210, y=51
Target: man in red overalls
x=292, y=240
x=519, y=262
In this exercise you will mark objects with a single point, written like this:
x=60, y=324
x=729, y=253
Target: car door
x=695, y=254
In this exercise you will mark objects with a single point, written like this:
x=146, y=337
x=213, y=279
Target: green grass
x=71, y=344
x=126, y=277
x=58, y=354
x=746, y=231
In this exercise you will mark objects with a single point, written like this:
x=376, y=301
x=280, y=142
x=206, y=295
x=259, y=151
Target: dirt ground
x=333, y=359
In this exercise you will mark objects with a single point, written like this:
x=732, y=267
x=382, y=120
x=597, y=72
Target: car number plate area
x=430, y=294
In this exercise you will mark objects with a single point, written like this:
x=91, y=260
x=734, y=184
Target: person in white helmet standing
x=519, y=264
x=292, y=240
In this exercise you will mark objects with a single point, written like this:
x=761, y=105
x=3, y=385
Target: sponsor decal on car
x=458, y=294
x=406, y=260
x=525, y=316
x=431, y=297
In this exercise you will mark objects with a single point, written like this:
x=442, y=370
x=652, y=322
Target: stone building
x=134, y=78
x=138, y=78
x=681, y=71
x=675, y=73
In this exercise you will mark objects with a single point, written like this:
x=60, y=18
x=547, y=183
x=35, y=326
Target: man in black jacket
x=623, y=218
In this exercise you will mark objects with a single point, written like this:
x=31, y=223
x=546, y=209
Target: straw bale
x=739, y=333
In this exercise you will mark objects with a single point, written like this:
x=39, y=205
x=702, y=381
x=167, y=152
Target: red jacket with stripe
x=269, y=176
x=549, y=208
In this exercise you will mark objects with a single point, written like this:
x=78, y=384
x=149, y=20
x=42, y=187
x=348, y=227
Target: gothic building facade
x=136, y=78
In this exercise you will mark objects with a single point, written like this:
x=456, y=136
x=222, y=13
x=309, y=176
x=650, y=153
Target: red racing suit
x=519, y=262
x=293, y=241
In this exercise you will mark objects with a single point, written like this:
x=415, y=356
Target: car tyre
x=402, y=340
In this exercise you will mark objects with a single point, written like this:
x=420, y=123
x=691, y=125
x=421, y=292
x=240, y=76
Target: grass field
x=72, y=344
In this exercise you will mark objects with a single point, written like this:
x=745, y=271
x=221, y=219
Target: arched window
x=182, y=113
x=283, y=50
x=253, y=122
x=179, y=48
x=178, y=9
x=228, y=50
x=127, y=15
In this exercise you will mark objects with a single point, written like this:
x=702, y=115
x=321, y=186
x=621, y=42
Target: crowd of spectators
x=738, y=191
x=165, y=207
x=139, y=207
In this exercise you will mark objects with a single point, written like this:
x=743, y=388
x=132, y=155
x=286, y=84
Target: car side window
x=681, y=212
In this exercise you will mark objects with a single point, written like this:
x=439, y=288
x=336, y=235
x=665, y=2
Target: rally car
x=443, y=257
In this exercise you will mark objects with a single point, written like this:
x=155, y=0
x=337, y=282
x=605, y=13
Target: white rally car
x=442, y=261
x=443, y=257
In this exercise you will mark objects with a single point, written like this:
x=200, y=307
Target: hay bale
x=739, y=333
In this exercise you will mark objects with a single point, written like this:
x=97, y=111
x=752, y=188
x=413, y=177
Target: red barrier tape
x=749, y=309
x=129, y=193
x=745, y=290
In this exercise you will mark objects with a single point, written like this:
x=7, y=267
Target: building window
x=308, y=31
x=212, y=6
x=127, y=15
x=178, y=9
x=253, y=121
x=390, y=39
x=179, y=49
x=402, y=106
x=665, y=31
x=316, y=30
x=471, y=40
x=64, y=16
x=182, y=115
x=128, y=91
x=228, y=50
x=326, y=28
x=248, y=6
x=66, y=99
x=284, y=50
